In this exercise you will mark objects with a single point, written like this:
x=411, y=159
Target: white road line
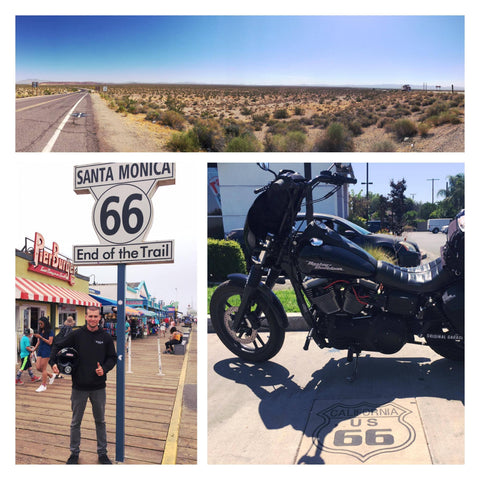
x=51, y=143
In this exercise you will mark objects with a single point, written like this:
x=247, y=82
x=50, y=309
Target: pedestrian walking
x=44, y=347
x=175, y=339
x=26, y=350
x=96, y=357
x=163, y=329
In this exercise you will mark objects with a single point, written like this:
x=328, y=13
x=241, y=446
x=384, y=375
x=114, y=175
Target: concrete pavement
x=298, y=408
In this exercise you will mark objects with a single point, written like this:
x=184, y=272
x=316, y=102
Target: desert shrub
x=261, y=117
x=172, y=119
x=280, y=113
x=232, y=130
x=299, y=111
x=384, y=146
x=244, y=143
x=210, y=135
x=436, y=109
x=355, y=127
x=445, y=117
x=423, y=129
x=335, y=139
x=290, y=142
x=295, y=141
x=404, y=128
x=183, y=142
x=152, y=115
x=224, y=257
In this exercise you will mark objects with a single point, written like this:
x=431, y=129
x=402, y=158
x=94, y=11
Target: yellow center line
x=171, y=444
x=38, y=104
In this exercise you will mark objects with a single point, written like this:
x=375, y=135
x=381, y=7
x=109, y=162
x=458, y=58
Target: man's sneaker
x=18, y=381
x=41, y=388
x=35, y=378
x=104, y=460
x=73, y=459
x=52, y=378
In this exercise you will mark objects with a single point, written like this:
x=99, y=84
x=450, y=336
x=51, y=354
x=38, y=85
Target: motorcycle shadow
x=283, y=402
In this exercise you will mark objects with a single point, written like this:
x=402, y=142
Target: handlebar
x=326, y=176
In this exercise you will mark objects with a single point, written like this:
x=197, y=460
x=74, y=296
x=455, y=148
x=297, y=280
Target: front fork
x=253, y=281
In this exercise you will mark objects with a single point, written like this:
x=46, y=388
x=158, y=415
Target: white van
x=434, y=225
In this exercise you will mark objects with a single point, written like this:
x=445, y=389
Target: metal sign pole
x=120, y=429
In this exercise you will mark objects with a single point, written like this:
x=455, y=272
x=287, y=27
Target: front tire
x=260, y=336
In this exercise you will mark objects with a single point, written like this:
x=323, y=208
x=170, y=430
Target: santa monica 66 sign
x=123, y=212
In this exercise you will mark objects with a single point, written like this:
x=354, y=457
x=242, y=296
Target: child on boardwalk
x=25, y=350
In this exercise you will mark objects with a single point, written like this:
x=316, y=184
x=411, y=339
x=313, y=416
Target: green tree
x=398, y=203
x=454, y=194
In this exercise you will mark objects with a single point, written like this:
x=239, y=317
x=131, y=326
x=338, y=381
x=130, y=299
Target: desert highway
x=55, y=123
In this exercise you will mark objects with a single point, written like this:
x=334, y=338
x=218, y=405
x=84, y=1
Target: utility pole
x=433, y=183
x=367, y=183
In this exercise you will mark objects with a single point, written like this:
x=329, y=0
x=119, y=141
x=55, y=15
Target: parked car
x=374, y=226
x=406, y=253
x=435, y=225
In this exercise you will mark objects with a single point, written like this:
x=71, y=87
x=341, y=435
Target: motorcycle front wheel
x=259, y=336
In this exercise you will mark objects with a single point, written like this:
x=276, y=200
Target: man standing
x=96, y=356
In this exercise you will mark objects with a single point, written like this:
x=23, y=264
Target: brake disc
x=244, y=338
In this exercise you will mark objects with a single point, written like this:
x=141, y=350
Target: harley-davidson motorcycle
x=349, y=300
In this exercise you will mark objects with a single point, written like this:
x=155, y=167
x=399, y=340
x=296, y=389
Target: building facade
x=231, y=192
x=47, y=284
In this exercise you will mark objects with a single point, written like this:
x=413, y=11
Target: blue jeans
x=79, y=401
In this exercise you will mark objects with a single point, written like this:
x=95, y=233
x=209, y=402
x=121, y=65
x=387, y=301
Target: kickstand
x=352, y=377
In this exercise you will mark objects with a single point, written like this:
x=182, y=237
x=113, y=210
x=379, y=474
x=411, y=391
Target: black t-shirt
x=92, y=347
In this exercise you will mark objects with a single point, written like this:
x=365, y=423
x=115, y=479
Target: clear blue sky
x=287, y=50
x=415, y=174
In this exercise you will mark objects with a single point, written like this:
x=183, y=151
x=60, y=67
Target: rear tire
x=451, y=349
x=260, y=336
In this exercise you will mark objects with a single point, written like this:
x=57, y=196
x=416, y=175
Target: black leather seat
x=422, y=279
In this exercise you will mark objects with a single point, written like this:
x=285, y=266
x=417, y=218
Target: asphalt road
x=428, y=242
x=56, y=123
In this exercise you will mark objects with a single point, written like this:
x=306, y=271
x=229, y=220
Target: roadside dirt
x=445, y=138
x=126, y=132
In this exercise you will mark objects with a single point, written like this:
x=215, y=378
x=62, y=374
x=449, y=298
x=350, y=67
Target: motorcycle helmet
x=67, y=360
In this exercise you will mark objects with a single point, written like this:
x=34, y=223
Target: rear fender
x=240, y=280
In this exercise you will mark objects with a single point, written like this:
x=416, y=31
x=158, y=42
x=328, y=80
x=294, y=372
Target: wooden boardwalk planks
x=43, y=419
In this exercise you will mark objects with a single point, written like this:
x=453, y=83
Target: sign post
x=122, y=216
x=120, y=415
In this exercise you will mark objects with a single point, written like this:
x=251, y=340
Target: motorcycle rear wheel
x=260, y=336
x=451, y=349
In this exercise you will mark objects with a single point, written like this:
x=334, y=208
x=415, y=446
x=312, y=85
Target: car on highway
x=405, y=253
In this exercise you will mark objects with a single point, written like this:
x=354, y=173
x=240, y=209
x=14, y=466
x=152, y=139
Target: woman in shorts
x=44, y=347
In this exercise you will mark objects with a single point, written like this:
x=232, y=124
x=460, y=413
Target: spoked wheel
x=446, y=343
x=259, y=336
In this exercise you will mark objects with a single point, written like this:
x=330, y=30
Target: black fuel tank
x=323, y=252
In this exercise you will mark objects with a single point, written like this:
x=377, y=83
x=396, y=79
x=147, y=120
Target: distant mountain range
x=388, y=86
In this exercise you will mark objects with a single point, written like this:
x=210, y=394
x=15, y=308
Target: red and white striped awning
x=42, y=292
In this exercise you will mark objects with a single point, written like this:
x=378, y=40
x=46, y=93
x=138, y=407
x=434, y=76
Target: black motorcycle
x=348, y=299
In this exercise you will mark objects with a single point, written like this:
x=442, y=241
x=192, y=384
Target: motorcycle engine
x=351, y=317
